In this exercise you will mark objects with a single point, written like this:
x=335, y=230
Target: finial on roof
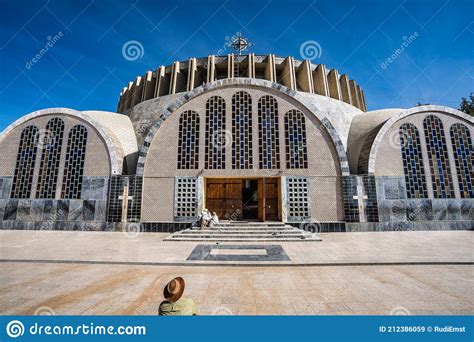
x=239, y=43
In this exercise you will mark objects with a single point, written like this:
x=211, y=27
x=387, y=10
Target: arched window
x=462, y=148
x=25, y=163
x=268, y=133
x=412, y=161
x=74, y=164
x=295, y=140
x=216, y=137
x=188, y=142
x=242, y=131
x=51, y=142
x=438, y=157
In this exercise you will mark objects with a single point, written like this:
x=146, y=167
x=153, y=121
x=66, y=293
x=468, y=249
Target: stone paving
x=110, y=280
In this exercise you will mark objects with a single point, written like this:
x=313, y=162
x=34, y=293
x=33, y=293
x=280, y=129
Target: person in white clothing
x=214, y=219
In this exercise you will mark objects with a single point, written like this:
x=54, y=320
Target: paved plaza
x=348, y=273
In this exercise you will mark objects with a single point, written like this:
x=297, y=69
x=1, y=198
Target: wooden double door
x=255, y=199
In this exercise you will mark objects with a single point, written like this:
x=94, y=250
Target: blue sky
x=85, y=69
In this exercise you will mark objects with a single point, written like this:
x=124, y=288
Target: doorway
x=249, y=199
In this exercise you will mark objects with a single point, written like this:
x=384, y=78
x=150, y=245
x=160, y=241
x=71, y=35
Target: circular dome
x=294, y=74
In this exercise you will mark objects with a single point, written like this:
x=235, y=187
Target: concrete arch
x=408, y=112
x=115, y=151
x=257, y=83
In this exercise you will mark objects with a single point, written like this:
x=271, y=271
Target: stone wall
x=90, y=210
x=396, y=211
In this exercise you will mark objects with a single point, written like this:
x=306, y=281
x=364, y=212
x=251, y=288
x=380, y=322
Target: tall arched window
x=25, y=163
x=268, y=133
x=216, y=137
x=188, y=142
x=438, y=157
x=462, y=148
x=52, y=141
x=242, y=131
x=295, y=140
x=412, y=161
x=74, y=164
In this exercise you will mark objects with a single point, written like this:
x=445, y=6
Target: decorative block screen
x=51, y=142
x=242, y=131
x=298, y=197
x=186, y=197
x=462, y=148
x=438, y=157
x=413, y=161
x=351, y=204
x=216, y=137
x=74, y=164
x=268, y=133
x=25, y=163
x=188, y=142
x=116, y=197
x=295, y=140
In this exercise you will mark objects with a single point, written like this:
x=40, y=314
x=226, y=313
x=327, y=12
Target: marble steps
x=260, y=232
x=243, y=239
x=251, y=224
x=244, y=231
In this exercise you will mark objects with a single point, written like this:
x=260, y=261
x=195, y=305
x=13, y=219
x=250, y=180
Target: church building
x=251, y=137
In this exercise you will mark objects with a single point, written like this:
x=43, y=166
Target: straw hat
x=174, y=289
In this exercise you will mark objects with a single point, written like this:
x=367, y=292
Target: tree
x=467, y=105
x=421, y=104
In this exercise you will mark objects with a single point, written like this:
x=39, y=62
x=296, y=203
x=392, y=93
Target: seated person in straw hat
x=174, y=304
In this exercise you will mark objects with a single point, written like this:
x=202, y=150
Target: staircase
x=245, y=231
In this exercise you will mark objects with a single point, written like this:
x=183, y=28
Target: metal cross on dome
x=239, y=43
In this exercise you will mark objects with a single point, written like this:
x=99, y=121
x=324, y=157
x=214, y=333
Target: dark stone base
x=165, y=227
x=407, y=226
x=57, y=225
x=320, y=227
x=171, y=227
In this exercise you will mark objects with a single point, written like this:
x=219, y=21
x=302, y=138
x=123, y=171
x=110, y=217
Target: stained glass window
x=412, y=161
x=295, y=140
x=51, y=144
x=268, y=133
x=242, y=131
x=188, y=144
x=438, y=157
x=74, y=164
x=25, y=163
x=462, y=148
x=217, y=138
